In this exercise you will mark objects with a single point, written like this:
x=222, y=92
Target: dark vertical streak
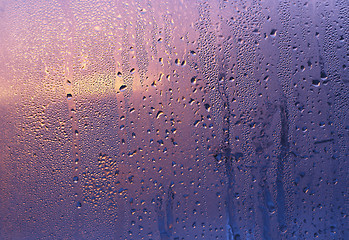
x=264, y=211
x=164, y=235
x=218, y=97
x=169, y=210
x=165, y=215
x=282, y=158
x=267, y=205
x=233, y=229
x=266, y=223
x=287, y=118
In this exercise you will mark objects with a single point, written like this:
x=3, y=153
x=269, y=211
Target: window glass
x=175, y=119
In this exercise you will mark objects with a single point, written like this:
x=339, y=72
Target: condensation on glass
x=174, y=119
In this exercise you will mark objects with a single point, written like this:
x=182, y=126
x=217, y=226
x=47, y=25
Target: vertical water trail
x=68, y=80
x=220, y=108
x=282, y=158
x=164, y=234
x=244, y=25
x=233, y=231
x=128, y=81
x=266, y=207
x=287, y=117
x=169, y=210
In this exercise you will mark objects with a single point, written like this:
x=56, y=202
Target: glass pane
x=174, y=119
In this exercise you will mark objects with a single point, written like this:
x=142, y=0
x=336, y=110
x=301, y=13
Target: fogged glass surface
x=175, y=119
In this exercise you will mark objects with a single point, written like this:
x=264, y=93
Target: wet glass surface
x=174, y=120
